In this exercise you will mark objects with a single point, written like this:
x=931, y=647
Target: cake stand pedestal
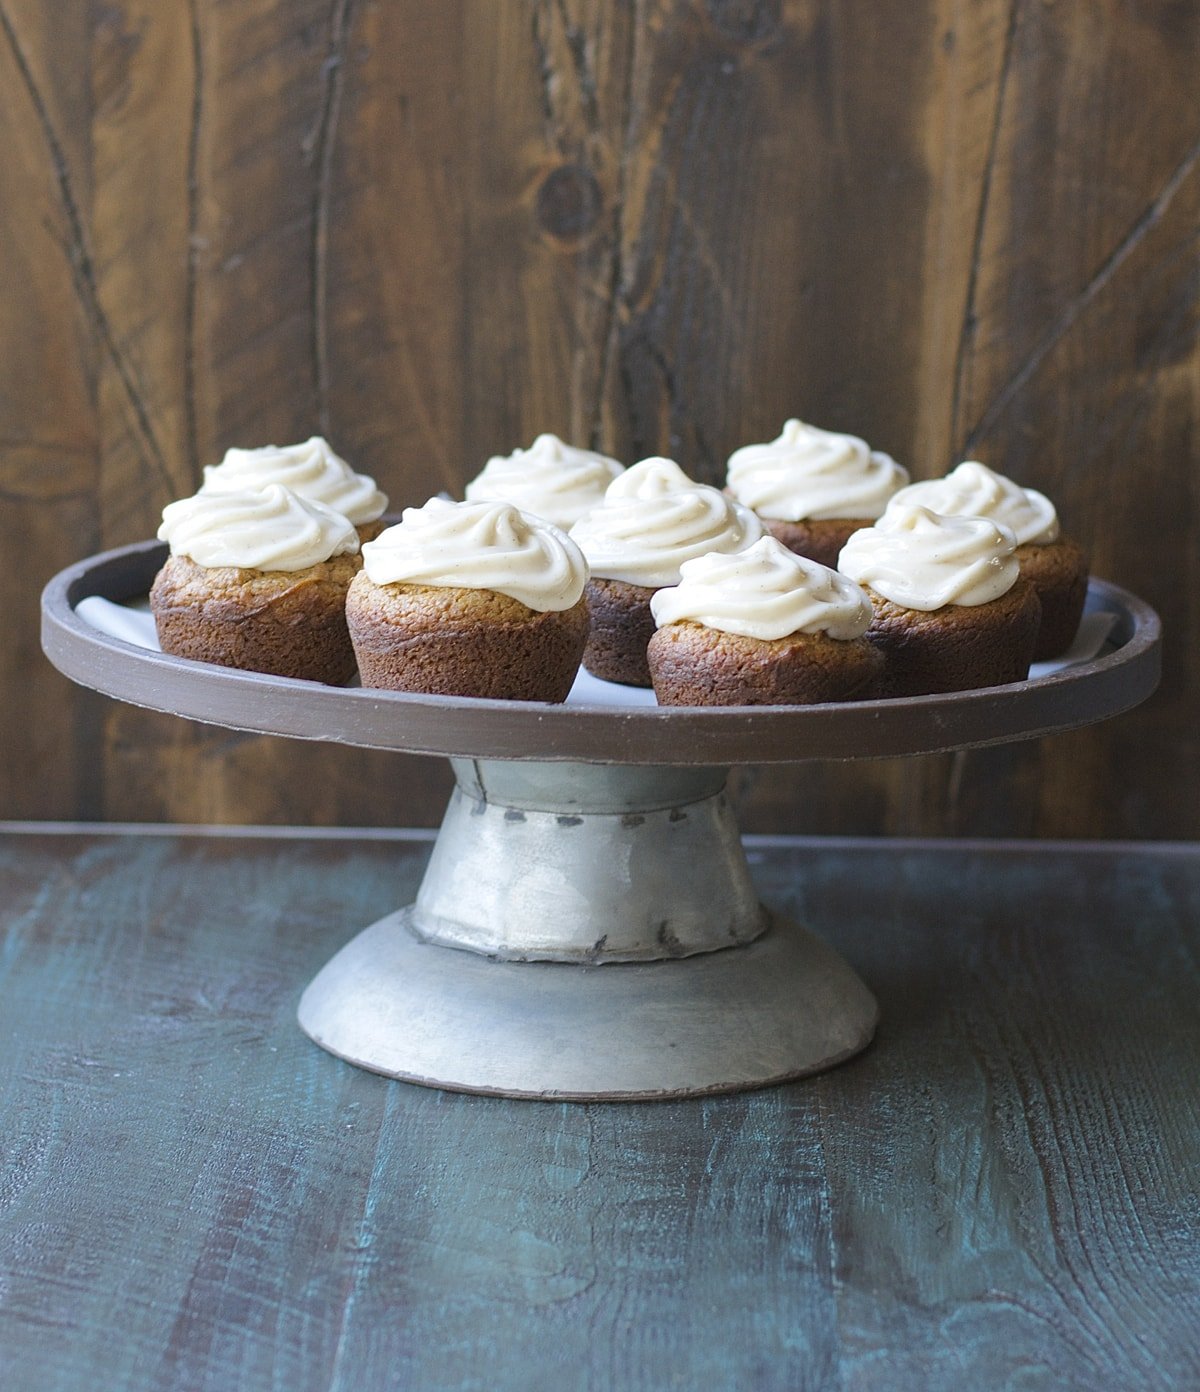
x=587, y=927
x=588, y=931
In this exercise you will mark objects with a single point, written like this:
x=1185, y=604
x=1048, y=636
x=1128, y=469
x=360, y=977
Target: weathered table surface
x=1002, y=1192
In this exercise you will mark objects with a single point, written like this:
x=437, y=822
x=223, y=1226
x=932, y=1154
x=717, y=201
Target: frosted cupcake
x=1053, y=564
x=310, y=469
x=653, y=519
x=257, y=580
x=814, y=488
x=470, y=599
x=550, y=479
x=951, y=610
x=761, y=627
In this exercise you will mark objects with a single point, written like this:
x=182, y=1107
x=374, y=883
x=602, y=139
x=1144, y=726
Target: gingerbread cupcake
x=550, y=479
x=1053, y=564
x=470, y=599
x=761, y=627
x=951, y=610
x=813, y=488
x=652, y=519
x=257, y=580
x=310, y=469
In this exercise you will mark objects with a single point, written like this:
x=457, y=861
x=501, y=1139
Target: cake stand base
x=588, y=932
x=778, y=1008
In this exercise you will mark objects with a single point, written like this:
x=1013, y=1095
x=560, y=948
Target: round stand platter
x=587, y=927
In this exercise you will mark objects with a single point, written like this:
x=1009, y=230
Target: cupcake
x=470, y=599
x=951, y=609
x=1053, y=564
x=652, y=519
x=257, y=580
x=552, y=480
x=312, y=470
x=814, y=488
x=761, y=627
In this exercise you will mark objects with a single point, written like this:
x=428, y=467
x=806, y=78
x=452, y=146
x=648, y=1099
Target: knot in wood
x=748, y=22
x=569, y=202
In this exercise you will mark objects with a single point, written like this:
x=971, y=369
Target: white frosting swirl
x=550, y=479
x=921, y=560
x=653, y=518
x=813, y=475
x=311, y=469
x=480, y=546
x=974, y=490
x=764, y=592
x=258, y=529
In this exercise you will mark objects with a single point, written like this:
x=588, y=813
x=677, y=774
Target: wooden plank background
x=957, y=227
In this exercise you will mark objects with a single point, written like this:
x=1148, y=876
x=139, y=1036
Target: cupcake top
x=257, y=529
x=653, y=518
x=311, y=469
x=480, y=546
x=974, y=490
x=811, y=475
x=922, y=560
x=551, y=479
x=764, y=592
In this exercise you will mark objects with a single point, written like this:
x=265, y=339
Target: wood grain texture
x=48, y=418
x=1000, y=1193
x=650, y=225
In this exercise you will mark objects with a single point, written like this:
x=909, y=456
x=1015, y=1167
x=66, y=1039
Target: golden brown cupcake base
x=957, y=647
x=1058, y=571
x=693, y=665
x=621, y=627
x=817, y=541
x=286, y=623
x=368, y=531
x=458, y=642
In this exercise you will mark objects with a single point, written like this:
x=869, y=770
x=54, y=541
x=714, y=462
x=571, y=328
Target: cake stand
x=587, y=927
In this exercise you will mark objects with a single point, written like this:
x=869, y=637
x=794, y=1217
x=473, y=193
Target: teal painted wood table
x=1002, y=1192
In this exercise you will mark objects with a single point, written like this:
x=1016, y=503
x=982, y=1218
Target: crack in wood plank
x=1080, y=302
x=996, y=1062
x=340, y=22
x=191, y=429
x=610, y=330
x=80, y=259
x=577, y=47
x=985, y=198
x=675, y=402
x=546, y=77
x=706, y=257
x=825, y=1210
x=1068, y=1227
x=360, y=1269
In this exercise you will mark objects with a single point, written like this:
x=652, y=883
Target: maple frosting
x=551, y=479
x=310, y=469
x=764, y=592
x=974, y=490
x=808, y=474
x=268, y=528
x=654, y=518
x=480, y=546
x=922, y=560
